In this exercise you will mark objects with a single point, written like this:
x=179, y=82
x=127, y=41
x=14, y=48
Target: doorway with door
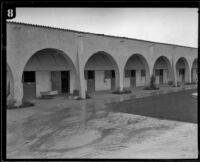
x=61, y=81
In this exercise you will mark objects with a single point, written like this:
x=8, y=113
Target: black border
x=78, y=3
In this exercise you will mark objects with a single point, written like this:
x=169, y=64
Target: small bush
x=187, y=83
x=124, y=91
x=170, y=83
x=87, y=96
x=151, y=88
x=152, y=84
x=25, y=103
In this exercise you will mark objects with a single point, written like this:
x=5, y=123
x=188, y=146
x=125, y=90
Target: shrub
x=124, y=91
x=152, y=84
x=25, y=103
x=170, y=83
x=87, y=96
x=187, y=83
x=151, y=88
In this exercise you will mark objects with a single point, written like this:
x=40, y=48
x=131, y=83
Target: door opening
x=29, y=84
x=65, y=81
x=112, y=79
x=90, y=76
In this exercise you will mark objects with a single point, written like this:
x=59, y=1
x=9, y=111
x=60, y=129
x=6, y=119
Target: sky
x=166, y=25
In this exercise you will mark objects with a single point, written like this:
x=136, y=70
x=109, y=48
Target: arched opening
x=182, y=70
x=48, y=70
x=9, y=85
x=101, y=72
x=194, y=71
x=162, y=70
x=136, y=71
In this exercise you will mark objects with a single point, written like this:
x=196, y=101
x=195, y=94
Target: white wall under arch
x=162, y=62
x=182, y=63
x=99, y=62
x=46, y=60
x=137, y=62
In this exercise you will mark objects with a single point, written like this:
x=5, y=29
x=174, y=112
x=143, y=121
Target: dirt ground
x=87, y=129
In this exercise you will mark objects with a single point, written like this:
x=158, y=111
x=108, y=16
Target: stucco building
x=43, y=59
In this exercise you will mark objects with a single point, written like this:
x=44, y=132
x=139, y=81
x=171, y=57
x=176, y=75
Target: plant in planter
x=124, y=91
x=25, y=103
x=170, y=83
x=152, y=84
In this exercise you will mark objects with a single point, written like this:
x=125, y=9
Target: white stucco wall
x=43, y=82
x=134, y=63
x=99, y=62
x=72, y=82
x=34, y=38
x=100, y=83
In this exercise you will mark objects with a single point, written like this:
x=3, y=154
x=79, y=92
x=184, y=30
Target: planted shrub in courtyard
x=87, y=96
x=25, y=103
x=152, y=84
x=124, y=91
x=170, y=83
x=187, y=83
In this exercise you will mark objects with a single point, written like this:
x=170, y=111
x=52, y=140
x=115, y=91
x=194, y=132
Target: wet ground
x=99, y=128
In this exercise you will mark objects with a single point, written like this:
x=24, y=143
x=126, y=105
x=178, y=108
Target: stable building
x=41, y=59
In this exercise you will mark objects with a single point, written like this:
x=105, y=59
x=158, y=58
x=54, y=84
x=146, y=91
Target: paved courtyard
x=107, y=126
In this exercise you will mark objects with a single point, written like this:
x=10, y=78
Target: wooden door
x=90, y=81
x=161, y=76
x=56, y=81
x=112, y=80
x=29, y=85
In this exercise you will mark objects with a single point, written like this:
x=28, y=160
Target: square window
x=90, y=74
x=29, y=76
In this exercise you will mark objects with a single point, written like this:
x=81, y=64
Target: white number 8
x=10, y=13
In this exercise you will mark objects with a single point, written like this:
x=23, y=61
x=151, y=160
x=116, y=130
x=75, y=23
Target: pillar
x=121, y=79
x=174, y=75
x=151, y=64
x=18, y=89
x=189, y=73
x=80, y=67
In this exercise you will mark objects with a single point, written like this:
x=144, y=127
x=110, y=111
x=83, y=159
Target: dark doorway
x=90, y=76
x=29, y=85
x=161, y=76
x=182, y=74
x=133, y=78
x=65, y=81
x=113, y=80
